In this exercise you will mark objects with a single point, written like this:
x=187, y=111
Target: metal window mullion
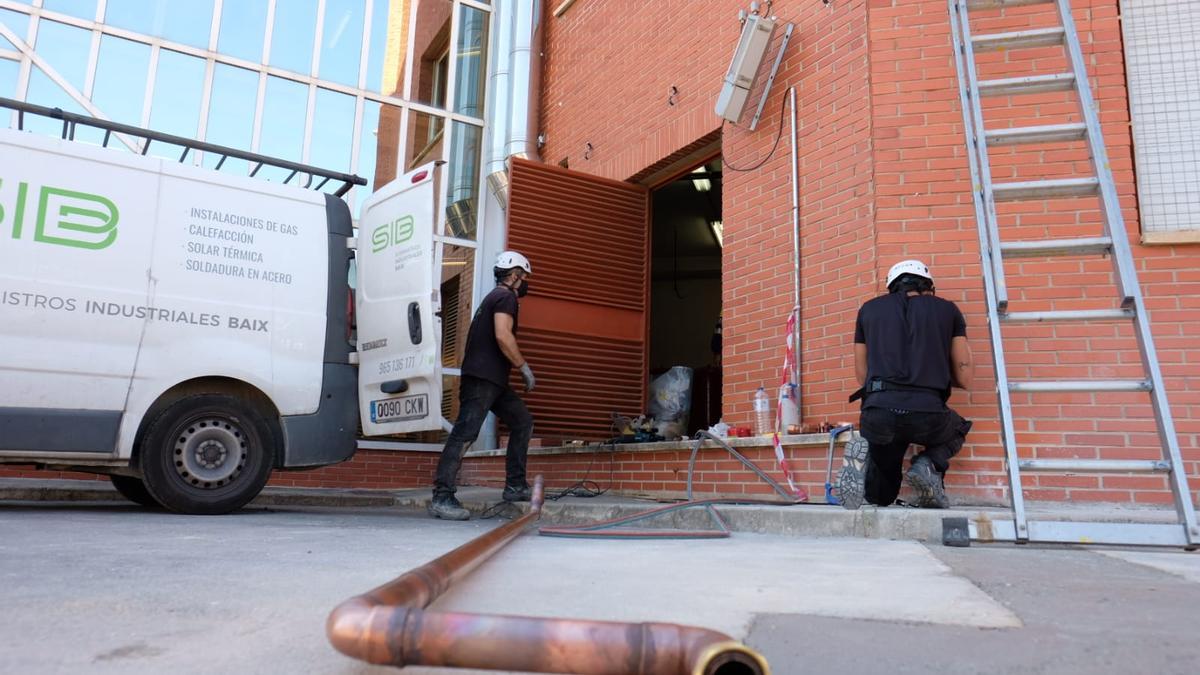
x=476, y=5
x=151, y=74
x=455, y=241
x=409, y=50
x=101, y=9
x=365, y=51
x=269, y=35
x=308, y=122
x=26, y=62
x=259, y=101
x=214, y=30
x=355, y=142
x=9, y=55
x=439, y=210
x=89, y=81
x=452, y=55
x=205, y=103
x=315, y=66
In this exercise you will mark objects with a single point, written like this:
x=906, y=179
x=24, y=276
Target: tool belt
x=878, y=384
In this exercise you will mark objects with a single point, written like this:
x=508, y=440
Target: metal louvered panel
x=583, y=325
x=586, y=236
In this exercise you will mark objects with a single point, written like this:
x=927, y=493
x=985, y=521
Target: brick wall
x=883, y=176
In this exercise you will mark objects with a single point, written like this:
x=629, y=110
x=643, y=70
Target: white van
x=186, y=331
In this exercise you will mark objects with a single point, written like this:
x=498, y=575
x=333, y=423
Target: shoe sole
x=439, y=516
x=851, y=484
x=930, y=495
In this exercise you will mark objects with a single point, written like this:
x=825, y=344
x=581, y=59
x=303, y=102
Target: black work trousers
x=476, y=397
x=890, y=432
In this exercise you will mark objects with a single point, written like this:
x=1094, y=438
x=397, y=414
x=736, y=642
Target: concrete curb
x=807, y=520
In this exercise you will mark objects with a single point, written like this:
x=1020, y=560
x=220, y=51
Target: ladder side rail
x=973, y=129
x=978, y=139
x=1127, y=278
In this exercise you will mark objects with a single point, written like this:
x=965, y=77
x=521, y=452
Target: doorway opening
x=685, y=294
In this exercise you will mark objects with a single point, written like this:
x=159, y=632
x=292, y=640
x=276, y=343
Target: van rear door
x=399, y=372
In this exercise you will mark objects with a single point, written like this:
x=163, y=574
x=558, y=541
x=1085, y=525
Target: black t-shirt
x=908, y=343
x=483, y=358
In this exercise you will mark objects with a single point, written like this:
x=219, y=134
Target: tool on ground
x=833, y=434
x=390, y=625
x=1112, y=242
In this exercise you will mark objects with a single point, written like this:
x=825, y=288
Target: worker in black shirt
x=491, y=354
x=910, y=347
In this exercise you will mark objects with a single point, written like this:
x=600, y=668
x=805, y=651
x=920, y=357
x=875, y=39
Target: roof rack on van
x=72, y=120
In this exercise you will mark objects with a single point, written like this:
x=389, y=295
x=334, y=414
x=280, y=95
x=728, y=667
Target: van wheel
x=134, y=490
x=207, y=454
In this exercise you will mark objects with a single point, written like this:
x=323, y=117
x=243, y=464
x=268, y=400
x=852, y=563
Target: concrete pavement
x=108, y=588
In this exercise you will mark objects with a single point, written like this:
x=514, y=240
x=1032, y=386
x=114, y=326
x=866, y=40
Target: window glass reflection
x=462, y=196
x=282, y=133
x=472, y=61
x=431, y=51
x=385, y=56
x=175, y=106
x=84, y=9
x=9, y=72
x=17, y=22
x=66, y=49
x=374, y=157
x=341, y=41
x=293, y=35
x=120, y=87
x=231, y=114
x=243, y=28
x=426, y=134
x=188, y=22
x=333, y=132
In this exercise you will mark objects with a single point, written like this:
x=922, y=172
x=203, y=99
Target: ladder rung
x=1044, y=134
x=1096, y=465
x=1080, y=385
x=1038, y=37
x=1032, y=84
x=999, y=4
x=1041, y=189
x=1052, y=247
x=1068, y=315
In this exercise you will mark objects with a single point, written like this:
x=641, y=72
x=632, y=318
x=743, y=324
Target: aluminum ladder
x=1113, y=243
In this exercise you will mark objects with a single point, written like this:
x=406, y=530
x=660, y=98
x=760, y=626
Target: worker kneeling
x=910, y=347
x=490, y=356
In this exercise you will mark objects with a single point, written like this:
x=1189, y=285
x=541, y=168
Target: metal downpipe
x=389, y=626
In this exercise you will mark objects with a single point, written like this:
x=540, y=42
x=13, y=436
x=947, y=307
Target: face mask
x=522, y=288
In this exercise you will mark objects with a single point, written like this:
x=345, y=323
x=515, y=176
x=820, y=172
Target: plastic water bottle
x=762, y=412
x=791, y=413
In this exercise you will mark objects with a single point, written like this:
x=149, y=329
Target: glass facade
x=372, y=87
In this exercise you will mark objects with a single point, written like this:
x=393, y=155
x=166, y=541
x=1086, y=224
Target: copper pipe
x=389, y=626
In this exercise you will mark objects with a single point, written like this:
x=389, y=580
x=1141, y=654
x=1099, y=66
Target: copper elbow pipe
x=388, y=626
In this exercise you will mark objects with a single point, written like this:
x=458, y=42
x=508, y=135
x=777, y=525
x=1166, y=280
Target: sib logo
x=396, y=232
x=63, y=217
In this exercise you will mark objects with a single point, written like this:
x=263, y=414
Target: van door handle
x=414, y=322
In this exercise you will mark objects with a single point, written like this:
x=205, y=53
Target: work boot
x=927, y=482
x=447, y=507
x=516, y=493
x=852, y=481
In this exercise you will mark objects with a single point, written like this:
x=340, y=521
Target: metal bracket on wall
x=787, y=36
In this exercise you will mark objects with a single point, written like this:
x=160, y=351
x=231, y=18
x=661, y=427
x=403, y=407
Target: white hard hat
x=915, y=267
x=510, y=259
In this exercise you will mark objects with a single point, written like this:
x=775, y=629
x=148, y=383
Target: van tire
x=207, y=454
x=134, y=490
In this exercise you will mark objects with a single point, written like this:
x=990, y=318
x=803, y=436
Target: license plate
x=400, y=409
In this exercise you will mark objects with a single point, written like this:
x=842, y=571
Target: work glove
x=527, y=375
